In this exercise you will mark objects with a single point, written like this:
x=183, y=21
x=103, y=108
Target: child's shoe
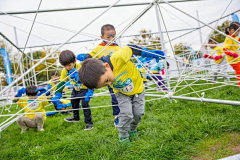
x=133, y=135
x=71, y=119
x=116, y=121
x=24, y=130
x=88, y=127
x=41, y=130
x=125, y=142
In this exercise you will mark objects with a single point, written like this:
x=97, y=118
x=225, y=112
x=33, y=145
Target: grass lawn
x=182, y=130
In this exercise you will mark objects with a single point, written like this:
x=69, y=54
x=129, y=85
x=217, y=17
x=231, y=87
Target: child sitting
x=119, y=72
x=35, y=120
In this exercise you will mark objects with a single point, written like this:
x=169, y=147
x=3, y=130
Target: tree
x=217, y=36
x=147, y=40
x=181, y=48
x=40, y=54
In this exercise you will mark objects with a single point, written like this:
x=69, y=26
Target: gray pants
x=36, y=122
x=221, y=69
x=131, y=112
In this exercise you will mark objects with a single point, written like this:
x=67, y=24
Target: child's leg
x=75, y=103
x=160, y=81
x=85, y=105
x=115, y=107
x=138, y=110
x=236, y=67
x=25, y=123
x=125, y=115
x=39, y=120
x=215, y=73
x=223, y=71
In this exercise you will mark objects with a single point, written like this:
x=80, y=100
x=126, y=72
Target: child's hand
x=73, y=74
x=20, y=92
x=89, y=95
x=42, y=91
x=163, y=71
x=235, y=55
x=56, y=98
x=81, y=57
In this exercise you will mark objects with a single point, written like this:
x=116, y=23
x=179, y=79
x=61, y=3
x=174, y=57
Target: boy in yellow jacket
x=108, y=33
x=127, y=82
x=34, y=120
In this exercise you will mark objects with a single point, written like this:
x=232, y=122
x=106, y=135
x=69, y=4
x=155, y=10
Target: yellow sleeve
x=19, y=103
x=125, y=53
x=64, y=75
x=94, y=52
x=228, y=43
x=43, y=102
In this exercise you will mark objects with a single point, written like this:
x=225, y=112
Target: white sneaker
x=41, y=130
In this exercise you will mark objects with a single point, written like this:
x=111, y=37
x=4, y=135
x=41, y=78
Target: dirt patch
x=226, y=146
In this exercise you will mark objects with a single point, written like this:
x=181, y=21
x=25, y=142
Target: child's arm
x=83, y=56
x=144, y=52
x=19, y=94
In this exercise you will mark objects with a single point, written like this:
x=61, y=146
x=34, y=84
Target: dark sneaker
x=133, y=135
x=125, y=142
x=88, y=127
x=71, y=119
x=116, y=121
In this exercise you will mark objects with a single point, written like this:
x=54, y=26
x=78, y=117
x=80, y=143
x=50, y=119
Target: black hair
x=233, y=25
x=66, y=57
x=107, y=27
x=90, y=72
x=212, y=40
x=30, y=91
x=54, y=73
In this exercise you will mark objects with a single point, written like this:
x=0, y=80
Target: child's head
x=212, y=43
x=67, y=59
x=95, y=74
x=108, y=32
x=54, y=77
x=30, y=91
x=233, y=29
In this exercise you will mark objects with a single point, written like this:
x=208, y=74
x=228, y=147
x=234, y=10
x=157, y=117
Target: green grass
x=182, y=130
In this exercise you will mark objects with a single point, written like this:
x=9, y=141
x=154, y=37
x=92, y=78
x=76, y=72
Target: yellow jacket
x=217, y=51
x=233, y=47
x=38, y=106
x=107, y=51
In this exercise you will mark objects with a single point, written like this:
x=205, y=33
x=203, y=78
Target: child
x=155, y=70
x=68, y=60
x=231, y=48
x=54, y=80
x=127, y=84
x=35, y=120
x=63, y=104
x=219, y=58
x=108, y=33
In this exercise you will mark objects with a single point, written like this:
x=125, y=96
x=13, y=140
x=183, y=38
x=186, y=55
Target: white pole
x=202, y=99
x=35, y=78
x=19, y=58
x=162, y=45
x=202, y=22
x=48, y=55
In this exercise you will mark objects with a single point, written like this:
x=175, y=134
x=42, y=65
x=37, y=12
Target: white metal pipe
x=229, y=102
x=48, y=55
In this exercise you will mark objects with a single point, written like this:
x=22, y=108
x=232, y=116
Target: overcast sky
x=120, y=17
